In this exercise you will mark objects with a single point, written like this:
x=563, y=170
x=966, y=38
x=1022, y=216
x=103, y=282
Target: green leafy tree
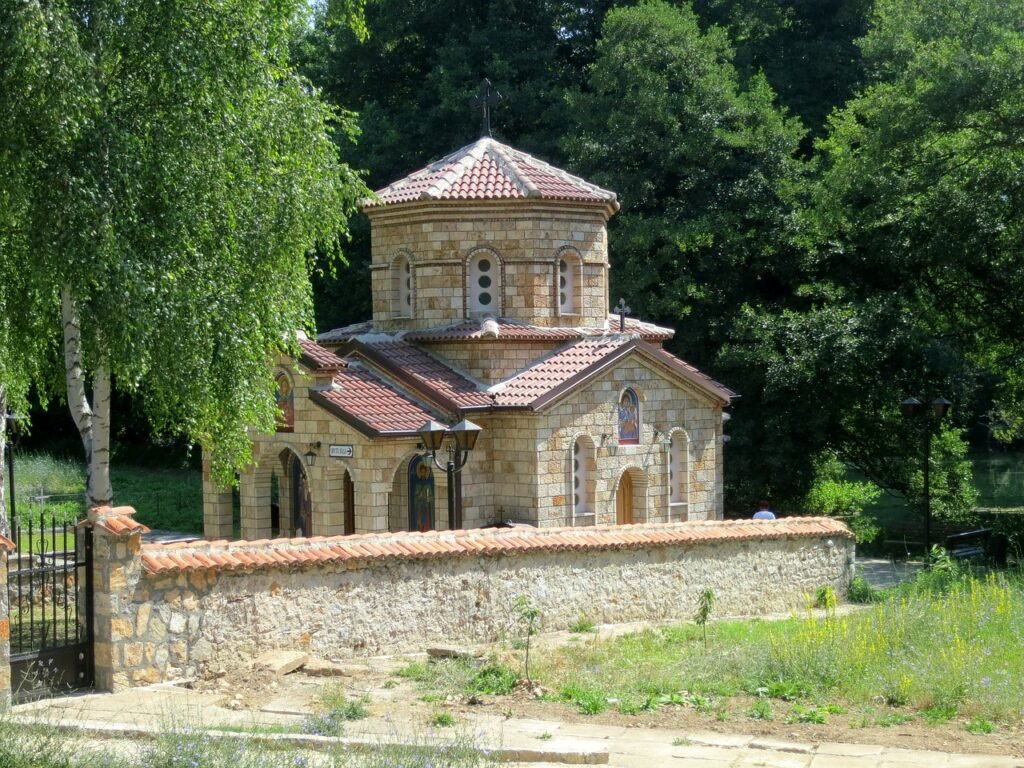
x=173, y=208
x=705, y=170
x=833, y=495
x=921, y=193
x=806, y=48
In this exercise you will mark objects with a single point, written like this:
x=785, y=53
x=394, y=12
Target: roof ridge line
x=512, y=169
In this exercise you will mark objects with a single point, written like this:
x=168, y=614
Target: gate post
x=117, y=567
x=6, y=546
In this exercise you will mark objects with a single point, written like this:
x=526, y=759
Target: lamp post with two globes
x=931, y=415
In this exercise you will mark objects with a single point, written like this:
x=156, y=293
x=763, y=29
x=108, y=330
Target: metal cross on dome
x=485, y=98
x=622, y=310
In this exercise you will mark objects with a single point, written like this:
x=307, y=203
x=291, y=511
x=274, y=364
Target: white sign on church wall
x=341, y=451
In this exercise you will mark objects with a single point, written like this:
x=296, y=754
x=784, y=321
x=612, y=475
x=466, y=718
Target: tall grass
x=55, y=486
x=950, y=642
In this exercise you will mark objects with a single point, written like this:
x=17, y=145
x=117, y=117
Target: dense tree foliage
x=171, y=177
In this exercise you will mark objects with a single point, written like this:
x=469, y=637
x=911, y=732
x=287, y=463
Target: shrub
x=494, y=679
x=861, y=592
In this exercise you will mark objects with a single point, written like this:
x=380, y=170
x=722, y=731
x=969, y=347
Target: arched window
x=679, y=468
x=629, y=418
x=285, y=398
x=568, y=279
x=401, y=287
x=583, y=477
x=485, y=283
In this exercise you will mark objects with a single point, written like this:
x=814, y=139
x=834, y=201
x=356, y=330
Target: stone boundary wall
x=6, y=546
x=173, y=611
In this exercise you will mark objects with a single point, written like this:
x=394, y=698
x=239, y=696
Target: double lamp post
x=932, y=414
x=463, y=439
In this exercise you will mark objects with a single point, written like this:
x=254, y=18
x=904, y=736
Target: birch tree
x=176, y=215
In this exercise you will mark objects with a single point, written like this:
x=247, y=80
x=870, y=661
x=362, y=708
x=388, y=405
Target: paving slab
x=281, y=662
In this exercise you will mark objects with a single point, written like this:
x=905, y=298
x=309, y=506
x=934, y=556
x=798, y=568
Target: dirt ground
x=396, y=699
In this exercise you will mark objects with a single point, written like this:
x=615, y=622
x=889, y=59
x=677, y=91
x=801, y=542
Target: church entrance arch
x=631, y=497
x=421, y=494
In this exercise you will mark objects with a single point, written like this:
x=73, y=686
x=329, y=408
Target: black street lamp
x=464, y=435
x=913, y=408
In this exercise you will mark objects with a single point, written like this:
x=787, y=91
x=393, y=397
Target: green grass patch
x=443, y=720
x=944, y=646
x=979, y=726
x=582, y=625
x=53, y=487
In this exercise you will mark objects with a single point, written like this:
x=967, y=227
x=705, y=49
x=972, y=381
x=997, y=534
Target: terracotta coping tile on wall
x=351, y=551
x=117, y=521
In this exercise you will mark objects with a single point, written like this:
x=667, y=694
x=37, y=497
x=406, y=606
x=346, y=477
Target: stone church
x=490, y=309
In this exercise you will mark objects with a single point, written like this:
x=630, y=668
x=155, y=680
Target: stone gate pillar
x=117, y=568
x=6, y=546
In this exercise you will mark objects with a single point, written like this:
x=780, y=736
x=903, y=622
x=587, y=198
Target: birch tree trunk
x=92, y=419
x=5, y=528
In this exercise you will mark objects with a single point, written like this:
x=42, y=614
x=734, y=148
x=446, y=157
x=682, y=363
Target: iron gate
x=49, y=585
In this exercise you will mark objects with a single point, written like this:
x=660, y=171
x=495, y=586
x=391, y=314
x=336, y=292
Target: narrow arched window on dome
x=401, y=287
x=485, y=284
x=629, y=418
x=568, y=280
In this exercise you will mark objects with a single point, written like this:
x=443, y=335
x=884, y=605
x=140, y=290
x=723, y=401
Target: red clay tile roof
x=555, y=375
x=430, y=374
x=354, y=551
x=6, y=544
x=490, y=170
x=556, y=370
x=117, y=521
x=360, y=397
x=317, y=358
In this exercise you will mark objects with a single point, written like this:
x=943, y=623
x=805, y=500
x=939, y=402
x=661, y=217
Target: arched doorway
x=624, y=500
x=301, y=501
x=421, y=494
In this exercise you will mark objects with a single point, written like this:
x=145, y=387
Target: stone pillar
x=217, y=507
x=117, y=568
x=254, y=491
x=6, y=546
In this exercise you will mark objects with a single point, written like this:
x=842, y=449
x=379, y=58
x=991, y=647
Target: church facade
x=491, y=307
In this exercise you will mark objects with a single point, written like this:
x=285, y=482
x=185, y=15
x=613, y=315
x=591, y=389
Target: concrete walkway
x=881, y=572
x=148, y=711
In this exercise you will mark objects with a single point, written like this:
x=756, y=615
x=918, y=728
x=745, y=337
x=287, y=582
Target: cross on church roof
x=485, y=98
x=622, y=310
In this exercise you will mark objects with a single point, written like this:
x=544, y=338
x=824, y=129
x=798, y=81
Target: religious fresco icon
x=421, y=495
x=629, y=418
x=285, y=398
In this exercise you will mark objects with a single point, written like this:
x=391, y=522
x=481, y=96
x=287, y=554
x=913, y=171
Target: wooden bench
x=963, y=546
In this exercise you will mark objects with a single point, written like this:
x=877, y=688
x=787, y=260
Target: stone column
x=217, y=507
x=254, y=492
x=6, y=546
x=117, y=568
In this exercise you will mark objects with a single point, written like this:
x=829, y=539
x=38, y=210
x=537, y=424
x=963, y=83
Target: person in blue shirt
x=764, y=512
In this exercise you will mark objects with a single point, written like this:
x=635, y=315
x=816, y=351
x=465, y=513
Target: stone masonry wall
x=211, y=605
x=528, y=238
